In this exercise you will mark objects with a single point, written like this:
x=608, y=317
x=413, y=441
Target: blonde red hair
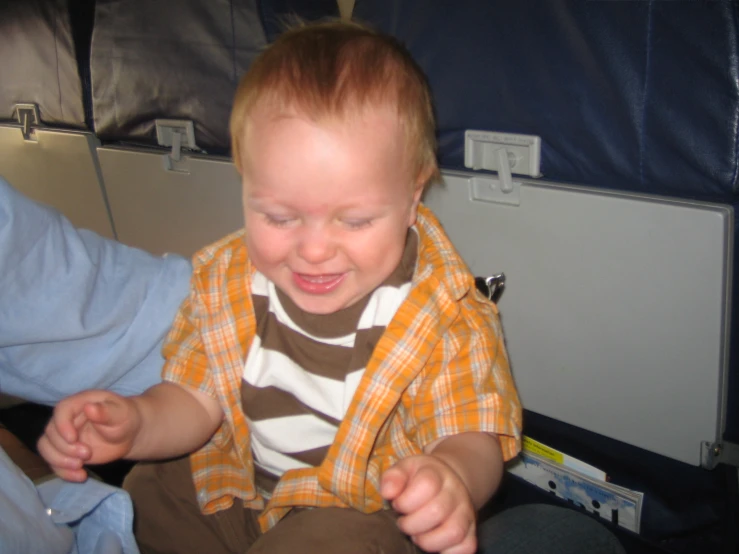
x=338, y=69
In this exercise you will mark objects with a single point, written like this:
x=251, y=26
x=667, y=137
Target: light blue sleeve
x=62, y=517
x=25, y=524
x=79, y=311
x=100, y=516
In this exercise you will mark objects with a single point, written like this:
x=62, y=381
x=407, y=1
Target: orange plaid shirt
x=439, y=369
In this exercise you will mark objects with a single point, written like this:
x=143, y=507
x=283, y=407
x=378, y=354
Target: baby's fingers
x=453, y=536
x=65, y=459
x=393, y=482
x=111, y=420
x=65, y=423
x=105, y=413
x=60, y=440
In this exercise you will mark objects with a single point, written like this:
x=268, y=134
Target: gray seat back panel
x=58, y=168
x=615, y=308
x=170, y=211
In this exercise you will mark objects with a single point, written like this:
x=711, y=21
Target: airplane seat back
x=637, y=107
x=39, y=63
x=163, y=80
x=624, y=95
x=277, y=13
x=152, y=60
x=630, y=99
x=93, y=78
x=46, y=146
x=171, y=188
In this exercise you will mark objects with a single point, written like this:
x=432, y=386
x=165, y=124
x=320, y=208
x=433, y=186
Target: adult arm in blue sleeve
x=79, y=311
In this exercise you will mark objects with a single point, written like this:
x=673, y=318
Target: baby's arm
x=439, y=492
x=477, y=459
x=100, y=426
x=177, y=420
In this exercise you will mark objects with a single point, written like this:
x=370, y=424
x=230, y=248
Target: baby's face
x=327, y=205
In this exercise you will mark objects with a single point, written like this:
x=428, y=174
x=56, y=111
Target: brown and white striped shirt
x=302, y=369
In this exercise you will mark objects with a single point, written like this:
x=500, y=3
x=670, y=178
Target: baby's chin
x=322, y=306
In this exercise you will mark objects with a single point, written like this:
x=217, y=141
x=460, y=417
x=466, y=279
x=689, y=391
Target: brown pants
x=30, y=463
x=168, y=520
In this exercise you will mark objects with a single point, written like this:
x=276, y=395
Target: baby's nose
x=316, y=246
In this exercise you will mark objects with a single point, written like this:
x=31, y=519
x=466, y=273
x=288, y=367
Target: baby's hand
x=92, y=427
x=437, y=511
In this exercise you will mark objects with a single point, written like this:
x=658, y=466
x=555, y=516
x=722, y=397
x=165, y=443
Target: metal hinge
x=180, y=135
x=28, y=117
x=492, y=287
x=714, y=453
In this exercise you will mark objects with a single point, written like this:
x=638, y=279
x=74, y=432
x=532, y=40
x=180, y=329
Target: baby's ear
x=417, y=193
x=427, y=175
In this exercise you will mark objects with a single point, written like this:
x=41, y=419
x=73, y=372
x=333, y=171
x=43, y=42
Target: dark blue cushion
x=275, y=13
x=627, y=95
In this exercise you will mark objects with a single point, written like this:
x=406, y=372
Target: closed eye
x=357, y=223
x=279, y=220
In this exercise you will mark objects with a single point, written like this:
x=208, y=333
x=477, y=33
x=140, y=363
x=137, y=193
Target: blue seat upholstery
x=275, y=13
x=627, y=95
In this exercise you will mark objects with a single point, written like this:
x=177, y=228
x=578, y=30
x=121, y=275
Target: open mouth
x=317, y=284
